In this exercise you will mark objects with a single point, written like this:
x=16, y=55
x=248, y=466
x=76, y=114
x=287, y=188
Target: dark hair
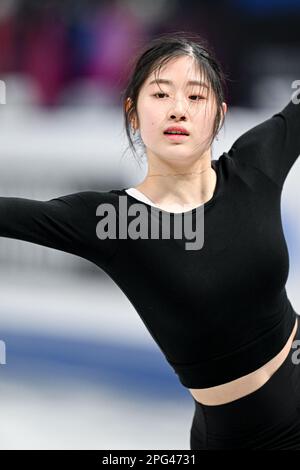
x=158, y=52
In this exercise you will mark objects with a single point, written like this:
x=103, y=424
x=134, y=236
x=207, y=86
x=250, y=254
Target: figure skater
x=220, y=314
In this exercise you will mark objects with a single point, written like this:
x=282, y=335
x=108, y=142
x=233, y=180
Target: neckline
x=140, y=196
x=216, y=166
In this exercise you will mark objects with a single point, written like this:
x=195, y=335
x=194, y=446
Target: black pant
x=268, y=418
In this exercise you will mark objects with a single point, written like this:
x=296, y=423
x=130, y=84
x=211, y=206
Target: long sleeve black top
x=219, y=312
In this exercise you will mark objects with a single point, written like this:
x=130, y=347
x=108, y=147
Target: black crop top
x=219, y=312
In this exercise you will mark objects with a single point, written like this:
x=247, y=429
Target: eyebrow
x=169, y=82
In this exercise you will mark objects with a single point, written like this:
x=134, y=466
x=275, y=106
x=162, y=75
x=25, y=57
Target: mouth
x=176, y=137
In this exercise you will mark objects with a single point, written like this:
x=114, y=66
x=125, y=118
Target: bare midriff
x=230, y=391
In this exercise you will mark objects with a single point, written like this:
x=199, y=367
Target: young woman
x=219, y=313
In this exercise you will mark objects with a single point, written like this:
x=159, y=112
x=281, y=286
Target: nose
x=178, y=110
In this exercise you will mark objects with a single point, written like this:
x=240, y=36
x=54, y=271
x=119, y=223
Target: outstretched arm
x=272, y=146
x=66, y=223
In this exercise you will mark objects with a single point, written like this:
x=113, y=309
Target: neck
x=185, y=185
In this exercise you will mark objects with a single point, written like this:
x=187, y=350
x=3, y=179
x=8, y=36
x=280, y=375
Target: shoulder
x=94, y=198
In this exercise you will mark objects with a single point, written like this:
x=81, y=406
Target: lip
x=176, y=128
x=176, y=137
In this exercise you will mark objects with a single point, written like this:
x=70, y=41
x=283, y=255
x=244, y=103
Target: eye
x=196, y=96
x=159, y=94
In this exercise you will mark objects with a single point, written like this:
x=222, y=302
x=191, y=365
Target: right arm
x=66, y=223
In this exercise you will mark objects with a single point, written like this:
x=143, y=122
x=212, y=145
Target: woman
x=219, y=313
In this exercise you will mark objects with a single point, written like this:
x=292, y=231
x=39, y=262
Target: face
x=186, y=101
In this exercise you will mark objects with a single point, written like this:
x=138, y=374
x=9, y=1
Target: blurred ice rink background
x=81, y=371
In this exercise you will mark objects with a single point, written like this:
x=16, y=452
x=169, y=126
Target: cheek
x=152, y=124
x=204, y=121
x=149, y=133
x=154, y=115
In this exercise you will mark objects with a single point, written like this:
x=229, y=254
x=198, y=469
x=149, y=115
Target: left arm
x=272, y=146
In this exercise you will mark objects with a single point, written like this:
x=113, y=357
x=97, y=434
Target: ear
x=128, y=104
x=224, y=106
